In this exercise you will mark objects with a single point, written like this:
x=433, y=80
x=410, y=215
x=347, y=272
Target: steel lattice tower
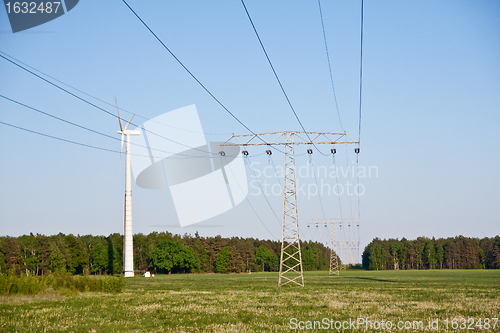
x=291, y=257
x=334, y=258
x=335, y=266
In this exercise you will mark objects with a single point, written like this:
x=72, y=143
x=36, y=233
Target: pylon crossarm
x=304, y=139
x=287, y=138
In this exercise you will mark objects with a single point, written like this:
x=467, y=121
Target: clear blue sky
x=431, y=109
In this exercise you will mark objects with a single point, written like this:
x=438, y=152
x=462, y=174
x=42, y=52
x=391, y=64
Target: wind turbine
x=128, y=240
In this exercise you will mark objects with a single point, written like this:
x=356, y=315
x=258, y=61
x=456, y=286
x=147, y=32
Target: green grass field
x=254, y=303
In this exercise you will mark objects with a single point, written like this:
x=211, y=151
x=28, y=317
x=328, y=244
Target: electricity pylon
x=335, y=267
x=290, y=259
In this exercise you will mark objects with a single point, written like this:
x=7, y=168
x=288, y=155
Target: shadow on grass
x=368, y=278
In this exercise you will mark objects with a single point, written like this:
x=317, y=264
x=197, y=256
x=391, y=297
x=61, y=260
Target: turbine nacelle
x=129, y=132
x=123, y=130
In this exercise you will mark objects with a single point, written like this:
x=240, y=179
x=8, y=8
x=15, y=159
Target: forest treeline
x=424, y=253
x=39, y=255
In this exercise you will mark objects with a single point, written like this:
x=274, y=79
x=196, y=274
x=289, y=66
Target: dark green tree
x=311, y=257
x=160, y=258
x=265, y=259
x=99, y=258
x=10, y=248
x=3, y=266
x=377, y=257
x=222, y=259
x=77, y=258
x=57, y=261
x=173, y=256
x=29, y=260
x=203, y=255
x=429, y=254
x=439, y=253
x=115, y=253
x=141, y=251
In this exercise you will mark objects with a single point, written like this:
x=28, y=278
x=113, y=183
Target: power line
x=276, y=75
x=59, y=87
x=361, y=72
x=357, y=183
x=103, y=101
x=263, y=192
x=96, y=132
x=360, y=95
x=92, y=104
x=337, y=181
x=272, y=67
x=190, y=73
x=337, y=108
x=329, y=65
x=317, y=186
x=61, y=139
x=187, y=70
x=91, y=146
x=115, y=151
x=248, y=201
x=276, y=173
x=347, y=166
x=60, y=119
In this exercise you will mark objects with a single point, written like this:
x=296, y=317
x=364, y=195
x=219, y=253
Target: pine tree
x=57, y=261
x=222, y=259
x=10, y=248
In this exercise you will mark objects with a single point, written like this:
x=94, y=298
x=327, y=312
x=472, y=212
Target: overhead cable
x=248, y=201
x=97, y=132
x=329, y=65
x=92, y=104
x=104, y=102
x=272, y=67
x=360, y=72
x=60, y=139
x=187, y=70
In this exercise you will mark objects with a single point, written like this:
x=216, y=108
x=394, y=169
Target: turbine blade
x=119, y=117
x=126, y=126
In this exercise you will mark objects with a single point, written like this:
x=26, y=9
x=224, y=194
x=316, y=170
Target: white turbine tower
x=128, y=240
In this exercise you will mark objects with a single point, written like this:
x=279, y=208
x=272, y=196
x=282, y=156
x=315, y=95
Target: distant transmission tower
x=291, y=258
x=346, y=247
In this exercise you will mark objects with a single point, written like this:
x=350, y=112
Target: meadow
x=254, y=303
